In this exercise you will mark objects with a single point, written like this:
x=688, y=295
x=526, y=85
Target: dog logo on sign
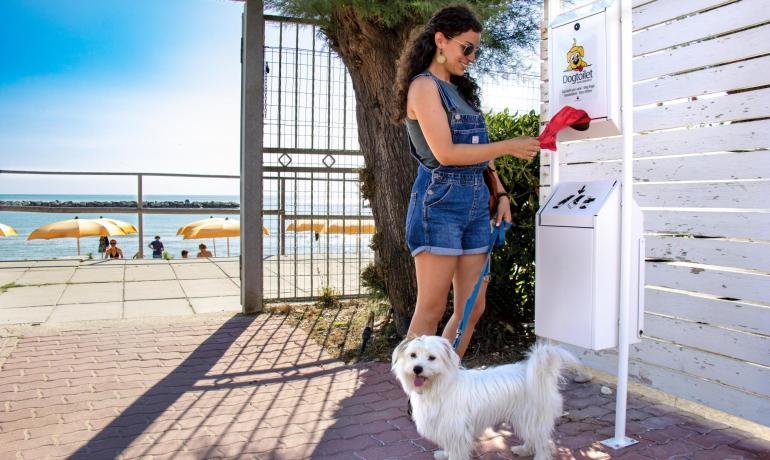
x=575, y=56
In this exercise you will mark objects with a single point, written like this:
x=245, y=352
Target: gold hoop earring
x=440, y=58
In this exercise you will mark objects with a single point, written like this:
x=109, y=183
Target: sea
x=165, y=226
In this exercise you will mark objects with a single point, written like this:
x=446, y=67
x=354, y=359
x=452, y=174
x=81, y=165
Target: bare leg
x=434, y=276
x=468, y=270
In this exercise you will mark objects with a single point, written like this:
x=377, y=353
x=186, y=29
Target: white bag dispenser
x=577, y=256
x=590, y=254
x=584, y=57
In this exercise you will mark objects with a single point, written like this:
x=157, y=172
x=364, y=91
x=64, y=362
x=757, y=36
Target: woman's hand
x=524, y=147
x=503, y=210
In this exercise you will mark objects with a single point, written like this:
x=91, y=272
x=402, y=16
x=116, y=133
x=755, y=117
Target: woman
x=448, y=220
x=113, y=252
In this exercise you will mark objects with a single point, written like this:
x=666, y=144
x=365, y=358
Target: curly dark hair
x=419, y=52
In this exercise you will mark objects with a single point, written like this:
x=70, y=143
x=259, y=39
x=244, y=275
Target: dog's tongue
x=419, y=380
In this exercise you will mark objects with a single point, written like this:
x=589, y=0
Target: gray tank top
x=415, y=133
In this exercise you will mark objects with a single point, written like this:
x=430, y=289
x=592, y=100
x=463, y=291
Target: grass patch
x=338, y=326
x=328, y=296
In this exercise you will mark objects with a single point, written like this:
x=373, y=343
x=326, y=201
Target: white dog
x=452, y=406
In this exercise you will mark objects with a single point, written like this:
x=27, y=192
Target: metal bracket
x=616, y=443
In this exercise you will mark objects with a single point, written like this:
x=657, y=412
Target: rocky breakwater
x=120, y=204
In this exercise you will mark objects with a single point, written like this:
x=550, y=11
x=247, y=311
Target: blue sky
x=130, y=86
x=141, y=85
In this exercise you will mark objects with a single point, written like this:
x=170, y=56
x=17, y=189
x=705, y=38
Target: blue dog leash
x=497, y=238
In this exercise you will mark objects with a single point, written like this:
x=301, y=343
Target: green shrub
x=511, y=293
x=328, y=296
x=373, y=280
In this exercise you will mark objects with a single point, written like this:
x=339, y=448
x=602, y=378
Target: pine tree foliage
x=509, y=26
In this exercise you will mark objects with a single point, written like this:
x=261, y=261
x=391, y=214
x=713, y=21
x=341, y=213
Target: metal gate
x=319, y=225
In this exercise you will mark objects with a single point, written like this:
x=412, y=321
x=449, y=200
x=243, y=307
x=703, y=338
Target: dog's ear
x=399, y=350
x=449, y=355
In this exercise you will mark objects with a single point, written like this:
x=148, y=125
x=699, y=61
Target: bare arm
x=424, y=104
x=499, y=188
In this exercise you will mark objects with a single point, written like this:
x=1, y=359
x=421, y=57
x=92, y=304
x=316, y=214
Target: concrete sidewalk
x=256, y=387
x=57, y=291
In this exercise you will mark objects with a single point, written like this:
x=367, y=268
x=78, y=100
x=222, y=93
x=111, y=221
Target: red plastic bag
x=567, y=116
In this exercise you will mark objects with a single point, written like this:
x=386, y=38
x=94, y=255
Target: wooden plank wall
x=702, y=176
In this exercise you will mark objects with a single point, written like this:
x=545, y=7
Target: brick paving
x=257, y=387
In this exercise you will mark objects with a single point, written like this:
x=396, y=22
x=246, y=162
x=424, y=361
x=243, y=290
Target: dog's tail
x=544, y=369
x=546, y=362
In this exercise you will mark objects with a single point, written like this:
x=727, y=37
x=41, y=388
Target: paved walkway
x=56, y=291
x=60, y=291
x=255, y=387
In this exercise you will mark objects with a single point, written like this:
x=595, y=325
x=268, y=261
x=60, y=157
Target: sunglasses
x=468, y=48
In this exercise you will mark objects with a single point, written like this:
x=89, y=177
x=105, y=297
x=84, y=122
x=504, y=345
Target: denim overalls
x=448, y=210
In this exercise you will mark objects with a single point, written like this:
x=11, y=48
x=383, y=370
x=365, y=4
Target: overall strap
x=446, y=99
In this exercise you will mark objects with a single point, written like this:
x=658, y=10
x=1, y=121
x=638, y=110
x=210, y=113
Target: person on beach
x=104, y=242
x=113, y=252
x=203, y=252
x=157, y=248
x=448, y=220
x=185, y=252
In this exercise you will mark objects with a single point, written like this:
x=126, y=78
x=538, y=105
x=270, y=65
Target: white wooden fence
x=702, y=176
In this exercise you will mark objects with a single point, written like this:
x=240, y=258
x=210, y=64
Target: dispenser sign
x=581, y=46
x=575, y=62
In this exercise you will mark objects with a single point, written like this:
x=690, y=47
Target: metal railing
x=282, y=215
x=139, y=209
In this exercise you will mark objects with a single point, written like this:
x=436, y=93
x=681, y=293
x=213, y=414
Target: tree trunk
x=370, y=53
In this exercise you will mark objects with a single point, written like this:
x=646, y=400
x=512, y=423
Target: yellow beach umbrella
x=185, y=228
x=231, y=226
x=219, y=228
x=305, y=225
x=215, y=227
x=75, y=228
x=7, y=230
x=125, y=226
x=350, y=227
